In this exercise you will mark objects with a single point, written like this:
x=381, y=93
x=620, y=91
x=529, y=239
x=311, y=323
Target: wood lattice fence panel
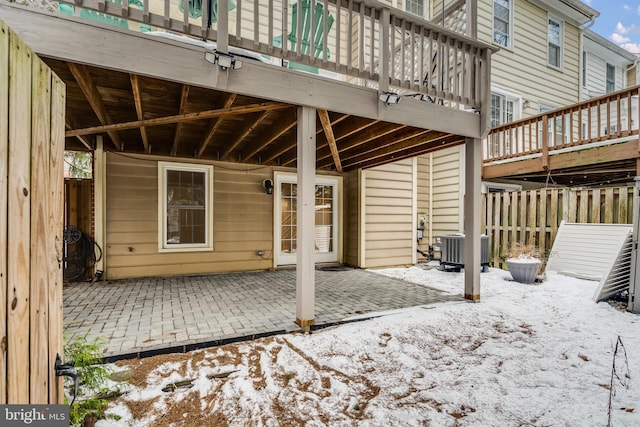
x=32, y=105
x=532, y=217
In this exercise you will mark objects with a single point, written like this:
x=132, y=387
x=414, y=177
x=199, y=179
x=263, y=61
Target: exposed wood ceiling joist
x=135, y=87
x=283, y=127
x=328, y=131
x=215, y=125
x=183, y=105
x=88, y=87
x=243, y=133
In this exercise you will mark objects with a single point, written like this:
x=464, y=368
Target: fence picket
x=596, y=202
x=608, y=205
x=622, y=207
x=522, y=199
x=542, y=220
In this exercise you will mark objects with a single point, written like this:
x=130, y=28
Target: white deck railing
x=362, y=41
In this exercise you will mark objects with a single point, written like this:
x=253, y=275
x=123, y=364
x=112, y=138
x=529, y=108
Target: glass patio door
x=326, y=215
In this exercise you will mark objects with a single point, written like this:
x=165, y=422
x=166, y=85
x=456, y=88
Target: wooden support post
x=305, y=262
x=472, y=196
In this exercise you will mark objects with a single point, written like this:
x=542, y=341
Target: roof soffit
x=573, y=11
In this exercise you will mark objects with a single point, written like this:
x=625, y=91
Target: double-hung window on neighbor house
x=611, y=78
x=415, y=6
x=503, y=22
x=554, y=50
x=504, y=109
x=185, y=203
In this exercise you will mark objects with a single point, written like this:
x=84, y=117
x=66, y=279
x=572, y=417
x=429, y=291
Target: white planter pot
x=524, y=271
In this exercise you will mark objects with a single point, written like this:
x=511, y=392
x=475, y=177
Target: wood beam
x=246, y=131
x=184, y=97
x=90, y=90
x=135, y=87
x=201, y=115
x=328, y=131
x=215, y=125
x=283, y=127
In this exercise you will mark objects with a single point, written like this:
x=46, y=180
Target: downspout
x=581, y=86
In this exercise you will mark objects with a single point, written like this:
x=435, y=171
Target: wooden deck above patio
x=595, y=142
x=153, y=95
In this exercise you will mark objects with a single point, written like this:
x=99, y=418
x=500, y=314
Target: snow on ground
x=526, y=355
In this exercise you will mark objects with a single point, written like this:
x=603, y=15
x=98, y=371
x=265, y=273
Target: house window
x=559, y=136
x=185, y=201
x=611, y=78
x=555, y=42
x=502, y=22
x=415, y=6
x=502, y=107
x=503, y=110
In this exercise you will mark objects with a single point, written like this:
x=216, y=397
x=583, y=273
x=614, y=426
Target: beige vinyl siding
x=447, y=191
x=631, y=77
x=389, y=213
x=596, y=84
x=352, y=217
x=523, y=68
x=423, y=197
x=242, y=221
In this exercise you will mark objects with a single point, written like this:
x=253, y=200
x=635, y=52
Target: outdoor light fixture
x=389, y=98
x=267, y=184
x=223, y=60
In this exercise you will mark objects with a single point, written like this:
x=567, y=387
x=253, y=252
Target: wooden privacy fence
x=32, y=104
x=533, y=217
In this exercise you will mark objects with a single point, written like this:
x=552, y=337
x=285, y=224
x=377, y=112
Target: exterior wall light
x=267, y=184
x=389, y=98
x=223, y=60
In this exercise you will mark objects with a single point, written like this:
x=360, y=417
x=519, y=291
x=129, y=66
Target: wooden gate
x=32, y=105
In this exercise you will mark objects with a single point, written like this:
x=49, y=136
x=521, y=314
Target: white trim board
x=599, y=252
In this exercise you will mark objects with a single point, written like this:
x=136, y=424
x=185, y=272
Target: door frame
x=335, y=256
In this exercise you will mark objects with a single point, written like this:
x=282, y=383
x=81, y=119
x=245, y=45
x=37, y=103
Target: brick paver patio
x=152, y=314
